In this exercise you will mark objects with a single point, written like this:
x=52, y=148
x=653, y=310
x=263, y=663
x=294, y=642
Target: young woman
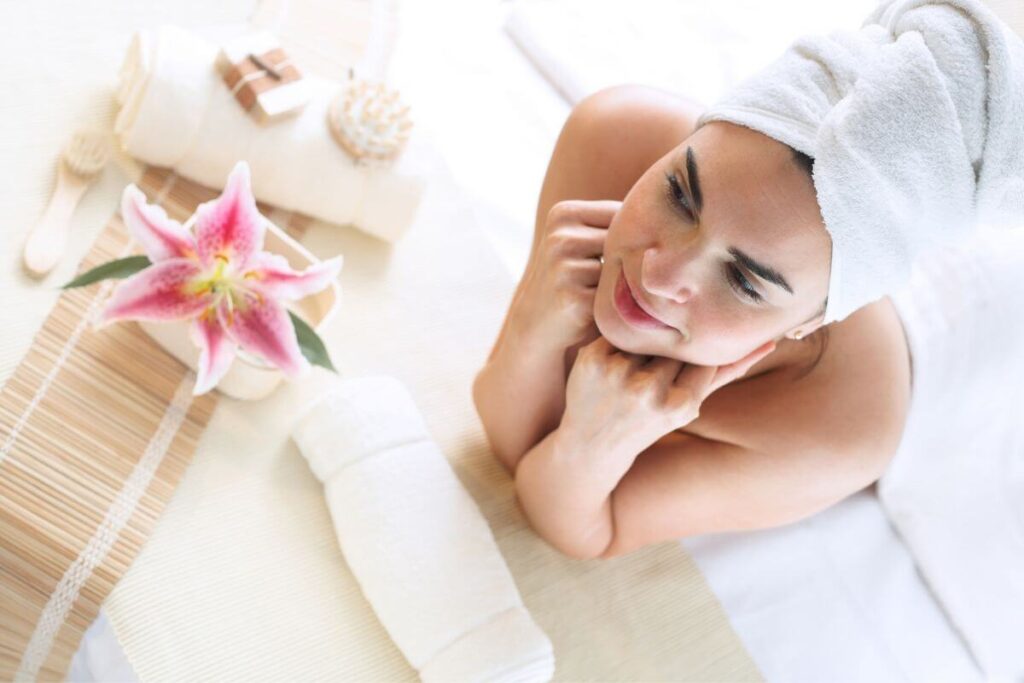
x=660, y=255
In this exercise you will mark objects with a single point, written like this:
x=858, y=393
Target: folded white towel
x=955, y=488
x=415, y=539
x=177, y=112
x=916, y=125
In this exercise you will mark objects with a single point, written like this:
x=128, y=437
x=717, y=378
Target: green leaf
x=310, y=344
x=118, y=268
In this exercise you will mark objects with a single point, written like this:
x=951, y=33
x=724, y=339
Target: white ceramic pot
x=250, y=377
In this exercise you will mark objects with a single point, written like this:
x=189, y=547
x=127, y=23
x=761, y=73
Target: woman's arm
x=685, y=486
x=617, y=405
x=566, y=494
x=680, y=486
x=764, y=452
x=519, y=394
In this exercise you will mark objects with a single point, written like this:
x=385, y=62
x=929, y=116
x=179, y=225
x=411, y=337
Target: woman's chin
x=625, y=338
x=614, y=330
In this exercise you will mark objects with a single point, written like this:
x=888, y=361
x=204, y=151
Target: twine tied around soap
x=256, y=74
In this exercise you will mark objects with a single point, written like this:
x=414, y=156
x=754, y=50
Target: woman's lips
x=630, y=310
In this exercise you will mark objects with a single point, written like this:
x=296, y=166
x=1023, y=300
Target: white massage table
x=832, y=598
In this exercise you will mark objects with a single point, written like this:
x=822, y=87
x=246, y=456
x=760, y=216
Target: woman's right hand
x=556, y=305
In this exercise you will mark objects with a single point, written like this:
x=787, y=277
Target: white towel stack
x=176, y=112
x=415, y=539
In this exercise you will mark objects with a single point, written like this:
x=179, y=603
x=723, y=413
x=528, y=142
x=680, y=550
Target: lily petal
x=161, y=237
x=216, y=351
x=261, y=325
x=165, y=290
x=230, y=226
x=272, y=275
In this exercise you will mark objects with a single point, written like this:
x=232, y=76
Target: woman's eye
x=676, y=196
x=741, y=284
x=737, y=280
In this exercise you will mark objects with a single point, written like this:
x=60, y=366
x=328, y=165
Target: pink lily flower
x=220, y=278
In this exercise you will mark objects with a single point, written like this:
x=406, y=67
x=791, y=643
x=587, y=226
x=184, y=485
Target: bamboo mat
x=96, y=429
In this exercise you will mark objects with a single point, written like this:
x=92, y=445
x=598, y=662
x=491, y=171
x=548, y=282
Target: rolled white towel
x=176, y=111
x=415, y=540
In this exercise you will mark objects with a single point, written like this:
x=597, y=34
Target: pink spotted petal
x=230, y=225
x=271, y=274
x=160, y=236
x=261, y=326
x=216, y=351
x=166, y=290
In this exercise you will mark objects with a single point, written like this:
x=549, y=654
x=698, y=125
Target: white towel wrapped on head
x=177, y=112
x=916, y=125
x=416, y=541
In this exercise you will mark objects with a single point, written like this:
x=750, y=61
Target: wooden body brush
x=82, y=160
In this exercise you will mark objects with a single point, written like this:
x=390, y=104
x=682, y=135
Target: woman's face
x=729, y=255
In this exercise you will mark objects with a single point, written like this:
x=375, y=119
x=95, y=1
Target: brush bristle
x=369, y=121
x=87, y=153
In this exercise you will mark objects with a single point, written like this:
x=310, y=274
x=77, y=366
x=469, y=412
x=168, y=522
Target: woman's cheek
x=726, y=341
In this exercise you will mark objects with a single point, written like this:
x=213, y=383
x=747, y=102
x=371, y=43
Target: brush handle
x=46, y=243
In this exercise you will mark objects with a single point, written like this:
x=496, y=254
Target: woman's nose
x=669, y=276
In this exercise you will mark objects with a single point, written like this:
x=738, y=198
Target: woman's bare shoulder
x=853, y=399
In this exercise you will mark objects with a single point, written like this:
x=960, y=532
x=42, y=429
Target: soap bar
x=263, y=79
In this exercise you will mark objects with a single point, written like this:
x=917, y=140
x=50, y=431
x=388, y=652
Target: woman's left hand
x=616, y=399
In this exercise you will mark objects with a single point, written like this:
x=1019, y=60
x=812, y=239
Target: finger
x=696, y=378
x=664, y=366
x=733, y=371
x=601, y=346
x=597, y=213
x=587, y=297
x=586, y=271
x=636, y=360
x=586, y=242
x=664, y=370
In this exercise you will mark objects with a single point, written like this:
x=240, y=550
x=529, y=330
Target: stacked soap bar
x=262, y=77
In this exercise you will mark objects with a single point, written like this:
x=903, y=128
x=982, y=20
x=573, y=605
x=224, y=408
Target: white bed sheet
x=834, y=597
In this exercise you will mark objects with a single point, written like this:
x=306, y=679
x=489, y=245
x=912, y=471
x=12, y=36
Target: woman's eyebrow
x=764, y=272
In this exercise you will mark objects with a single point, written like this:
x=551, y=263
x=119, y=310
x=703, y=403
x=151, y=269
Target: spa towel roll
x=175, y=111
x=415, y=540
